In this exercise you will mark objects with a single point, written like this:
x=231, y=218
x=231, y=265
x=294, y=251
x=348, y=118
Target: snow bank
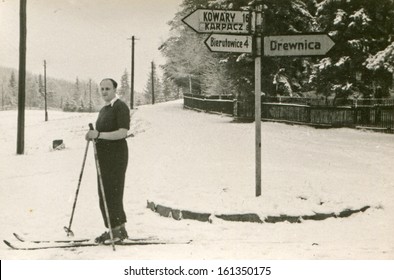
x=203, y=163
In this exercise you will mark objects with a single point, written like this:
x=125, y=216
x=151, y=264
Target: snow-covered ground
x=203, y=163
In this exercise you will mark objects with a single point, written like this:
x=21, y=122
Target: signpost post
x=230, y=32
x=257, y=94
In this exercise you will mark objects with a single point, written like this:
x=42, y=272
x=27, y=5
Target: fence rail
x=369, y=116
x=369, y=113
x=319, y=115
x=210, y=104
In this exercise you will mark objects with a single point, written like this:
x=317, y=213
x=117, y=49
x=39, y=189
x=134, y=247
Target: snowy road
x=203, y=162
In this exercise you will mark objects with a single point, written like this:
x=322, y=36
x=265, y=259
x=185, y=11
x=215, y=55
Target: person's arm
x=121, y=133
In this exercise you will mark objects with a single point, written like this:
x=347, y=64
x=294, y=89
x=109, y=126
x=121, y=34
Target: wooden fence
x=216, y=104
x=376, y=114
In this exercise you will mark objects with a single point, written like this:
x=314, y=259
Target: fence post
x=235, y=108
x=308, y=113
x=354, y=108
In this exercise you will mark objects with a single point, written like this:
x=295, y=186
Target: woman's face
x=108, y=91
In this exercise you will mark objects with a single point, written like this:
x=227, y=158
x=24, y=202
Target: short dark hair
x=114, y=83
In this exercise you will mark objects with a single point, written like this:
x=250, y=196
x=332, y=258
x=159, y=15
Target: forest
x=81, y=96
x=361, y=64
x=77, y=96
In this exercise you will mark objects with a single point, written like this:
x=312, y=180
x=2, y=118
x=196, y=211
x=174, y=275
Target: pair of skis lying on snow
x=73, y=243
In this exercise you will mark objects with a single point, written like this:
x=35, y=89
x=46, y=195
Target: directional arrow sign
x=218, y=21
x=229, y=43
x=297, y=45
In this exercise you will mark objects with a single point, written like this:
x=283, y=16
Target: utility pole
x=257, y=91
x=45, y=90
x=153, y=83
x=20, y=145
x=132, y=72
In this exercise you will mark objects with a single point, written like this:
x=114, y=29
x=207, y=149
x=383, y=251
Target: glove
x=92, y=134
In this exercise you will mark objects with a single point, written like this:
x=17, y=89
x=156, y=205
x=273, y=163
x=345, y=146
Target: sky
x=86, y=38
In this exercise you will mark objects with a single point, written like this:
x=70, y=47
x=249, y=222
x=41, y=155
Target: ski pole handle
x=91, y=126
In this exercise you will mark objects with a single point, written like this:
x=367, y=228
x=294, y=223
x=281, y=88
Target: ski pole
x=68, y=229
x=102, y=190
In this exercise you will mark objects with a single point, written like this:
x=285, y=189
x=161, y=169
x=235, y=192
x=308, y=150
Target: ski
x=126, y=242
x=48, y=245
x=22, y=239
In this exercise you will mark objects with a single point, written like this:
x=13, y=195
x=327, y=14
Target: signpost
x=229, y=43
x=231, y=31
x=257, y=95
x=219, y=21
x=297, y=45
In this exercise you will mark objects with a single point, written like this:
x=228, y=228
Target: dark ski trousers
x=113, y=158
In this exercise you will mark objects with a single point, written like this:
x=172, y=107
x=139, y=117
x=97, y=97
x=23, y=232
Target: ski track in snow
x=204, y=163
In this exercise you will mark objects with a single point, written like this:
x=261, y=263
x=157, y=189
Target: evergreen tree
x=185, y=51
x=170, y=91
x=97, y=100
x=31, y=91
x=139, y=98
x=40, y=85
x=81, y=107
x=77, y=92
x=229, y=73
x=70, y=105
x=58, y=91
x=11, y=98
x=157, y=88
x=167, y=89
x=216, y=79
x=124, y=89
x=53, y=94
x=39, y=100
x=359, y=28
x=382, y=66
x=3, y=94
